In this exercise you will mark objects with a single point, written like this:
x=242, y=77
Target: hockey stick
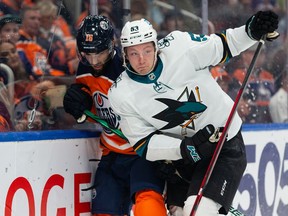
x=225, y=130
x=105, y=124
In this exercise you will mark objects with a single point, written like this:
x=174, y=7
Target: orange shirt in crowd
x=36, y=55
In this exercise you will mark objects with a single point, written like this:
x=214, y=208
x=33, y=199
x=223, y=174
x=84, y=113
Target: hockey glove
x=166, y=170
x=198, y=147
x=262, y=23
x=76, y=100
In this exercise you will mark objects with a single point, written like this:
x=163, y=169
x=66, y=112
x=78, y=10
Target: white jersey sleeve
x=238, y=40
x=204, y=50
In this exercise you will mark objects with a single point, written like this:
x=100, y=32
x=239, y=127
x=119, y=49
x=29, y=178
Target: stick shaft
x=105, y=124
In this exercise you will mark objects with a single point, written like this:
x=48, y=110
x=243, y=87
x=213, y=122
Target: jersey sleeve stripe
x=141, y=146
x=226, y=51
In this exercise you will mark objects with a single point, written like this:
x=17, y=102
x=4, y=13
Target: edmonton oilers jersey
x=99, y=86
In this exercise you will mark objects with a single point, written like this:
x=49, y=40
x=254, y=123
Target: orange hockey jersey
x=99, y=86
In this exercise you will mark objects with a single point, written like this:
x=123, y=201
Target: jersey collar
x=151, y=77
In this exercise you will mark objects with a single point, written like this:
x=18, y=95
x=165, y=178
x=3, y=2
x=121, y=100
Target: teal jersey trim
x=197, y=37
x=152, y=77
x=142, y=150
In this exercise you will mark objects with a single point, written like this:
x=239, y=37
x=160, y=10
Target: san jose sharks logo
x=178, y=112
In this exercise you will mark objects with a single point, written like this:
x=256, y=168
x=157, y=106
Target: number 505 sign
x=264, y=187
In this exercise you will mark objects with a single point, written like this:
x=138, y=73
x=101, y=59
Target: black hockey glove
x=262, y=23
x=77, y=99
x=166, y=170
x=198, y=147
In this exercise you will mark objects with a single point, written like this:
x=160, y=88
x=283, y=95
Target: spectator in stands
x=9, y=27
x=225, y=81
x=156, y=12
x=278, y=105
x=12, y=6
x=20, y=84
x=260, y=86
x=59, y=25
x=228, y=13
x=15, y=60
x=9, y=54
x=247, y=109
x=36, y=54
x=85, y=12
x=222, y=77
x=11, y=95
x=265, y=5
x=105, y=8
x=6, y=106
x=52, y=41
x=139, y=7
x=9, y=30
x=173, y=20
x=278, y=61
x=139, y=10
x=5, y=121
x=24, y=87
x=62, y=28
x=48, y=95
x=24, y=90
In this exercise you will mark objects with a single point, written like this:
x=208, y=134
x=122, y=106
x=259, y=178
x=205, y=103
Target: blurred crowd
x=38, y=55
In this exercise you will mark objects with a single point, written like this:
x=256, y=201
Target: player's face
x=97, y=60
x=141, y=57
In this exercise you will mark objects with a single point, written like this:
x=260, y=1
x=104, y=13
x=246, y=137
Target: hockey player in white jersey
x=170, y=105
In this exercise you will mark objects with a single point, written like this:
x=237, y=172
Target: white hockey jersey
x=179, y=96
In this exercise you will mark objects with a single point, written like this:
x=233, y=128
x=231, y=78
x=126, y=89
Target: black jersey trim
x=141, y=146
x=226, y=52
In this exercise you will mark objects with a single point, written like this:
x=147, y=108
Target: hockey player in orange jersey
x=122, y=178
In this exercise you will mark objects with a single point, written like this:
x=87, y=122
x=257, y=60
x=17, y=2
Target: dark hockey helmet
x=95, y=34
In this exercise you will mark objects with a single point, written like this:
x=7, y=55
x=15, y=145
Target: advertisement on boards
x=44, y=173
x=46, y=177
x=264, y=187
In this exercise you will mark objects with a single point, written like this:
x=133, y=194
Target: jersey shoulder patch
x=184, y=37
x=198, y=37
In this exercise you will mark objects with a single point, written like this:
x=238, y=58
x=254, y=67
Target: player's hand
x=77, y=99
x=262, y=23
x=198, y=147
x=166, y=170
